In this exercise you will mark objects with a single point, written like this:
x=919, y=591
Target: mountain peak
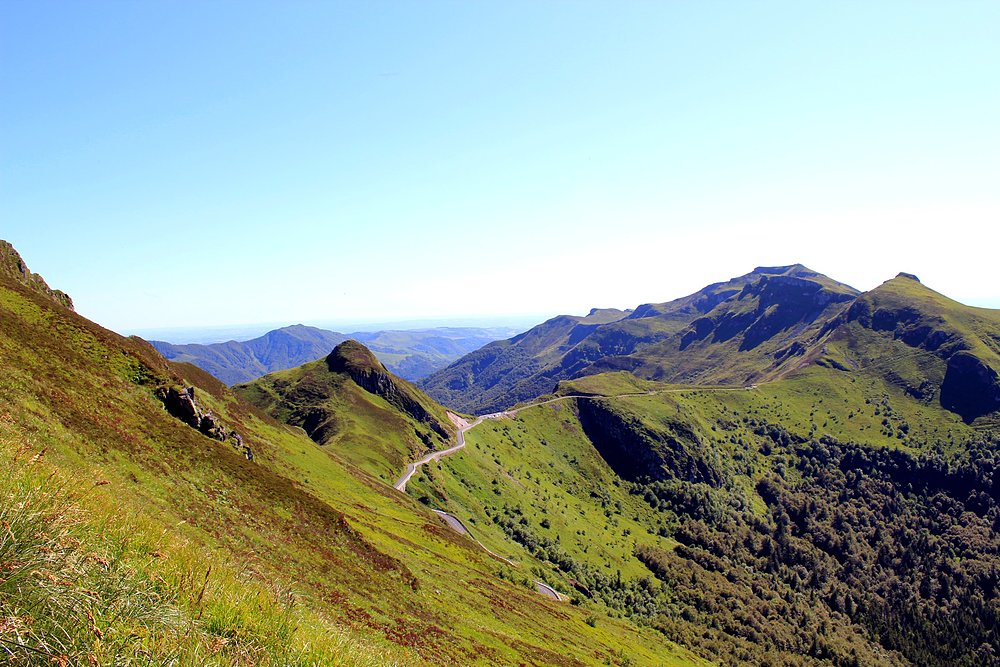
x=12, y=265
x=909, y=276
x=351, y=357
x=791, y=269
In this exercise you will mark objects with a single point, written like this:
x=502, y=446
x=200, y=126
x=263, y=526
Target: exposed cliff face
x=12, y=265
x=636, y=452
x=971, y=388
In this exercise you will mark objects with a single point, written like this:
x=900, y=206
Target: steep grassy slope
x=351, y=403
x=411, y=354
x=936, y=349
x=294, y=557
x=813, y=520
x=748, y=328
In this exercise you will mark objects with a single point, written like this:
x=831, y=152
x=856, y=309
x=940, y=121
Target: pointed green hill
x=935, y=348
x=351, y=403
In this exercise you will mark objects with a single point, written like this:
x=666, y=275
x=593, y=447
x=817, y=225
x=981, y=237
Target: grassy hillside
x=934, y=348
x=799, y=522
x=170, y=545
x=350, y=403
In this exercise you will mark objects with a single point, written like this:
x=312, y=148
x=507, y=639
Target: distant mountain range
x=411, y=354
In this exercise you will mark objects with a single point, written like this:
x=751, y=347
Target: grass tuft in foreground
x=81, y=585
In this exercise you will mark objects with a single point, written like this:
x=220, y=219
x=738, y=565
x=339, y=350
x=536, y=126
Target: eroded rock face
x=638, y=453
x=970, y=388
x=180, y=403
x=12, y=264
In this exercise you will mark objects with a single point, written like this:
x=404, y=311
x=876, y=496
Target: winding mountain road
x=464, y=425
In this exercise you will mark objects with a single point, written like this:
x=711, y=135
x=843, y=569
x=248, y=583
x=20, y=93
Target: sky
x=206, y=164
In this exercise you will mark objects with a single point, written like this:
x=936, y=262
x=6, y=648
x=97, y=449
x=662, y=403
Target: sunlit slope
x=350, y=402
x=314, y=539
x=936, y=349
x=772, y=525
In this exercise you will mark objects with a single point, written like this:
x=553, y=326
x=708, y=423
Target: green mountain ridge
x=755, y=328
x=412, y=354
x=727, y=332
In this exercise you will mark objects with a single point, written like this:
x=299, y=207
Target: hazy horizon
x=247, y=331
x=206, y=164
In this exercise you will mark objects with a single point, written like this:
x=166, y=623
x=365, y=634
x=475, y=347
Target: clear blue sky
x=208, y=163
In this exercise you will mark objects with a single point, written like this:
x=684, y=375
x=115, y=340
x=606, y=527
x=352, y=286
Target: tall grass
x=62, y=600
x=84, y=584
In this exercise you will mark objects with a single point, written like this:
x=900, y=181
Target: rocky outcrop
x=180, y=402
x=638, y=453
x=12, y=265
x=970, y=388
